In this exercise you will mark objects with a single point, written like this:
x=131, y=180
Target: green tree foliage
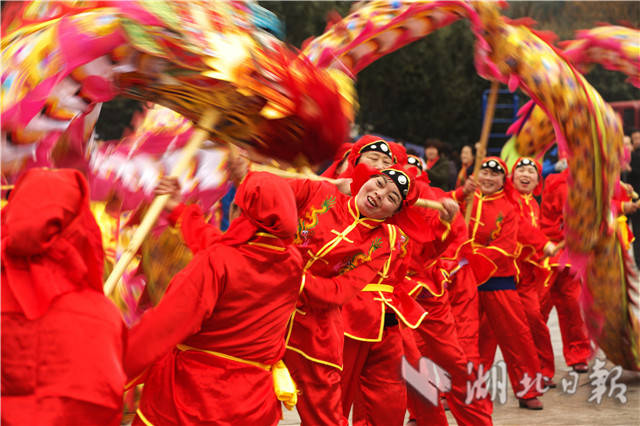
x=304, y=19
x=427, y=89
x=115, y=117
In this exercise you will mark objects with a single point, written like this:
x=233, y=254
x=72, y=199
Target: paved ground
x=562, y=408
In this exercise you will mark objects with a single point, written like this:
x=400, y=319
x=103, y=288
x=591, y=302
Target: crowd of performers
x=328, y=283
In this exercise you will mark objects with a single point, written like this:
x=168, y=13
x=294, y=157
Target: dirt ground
x=561, y=407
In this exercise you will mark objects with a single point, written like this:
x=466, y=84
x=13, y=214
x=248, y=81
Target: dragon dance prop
x=610, y=275
x=585, y=126
x=616, y=48
x=131, y=169
x=188, y=56
x=378, y=28
x=204, y=60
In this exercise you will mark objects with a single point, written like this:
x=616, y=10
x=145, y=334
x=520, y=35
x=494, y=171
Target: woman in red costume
x=62, y=339
x=373, y=343
x=493, y=230
x=216, y=338
x=533, y=247
x=347, y=249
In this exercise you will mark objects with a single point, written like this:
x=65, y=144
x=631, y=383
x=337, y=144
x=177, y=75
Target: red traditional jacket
x=531, y=240
x=229, y=302
x=202, y=310
x=493, y=230
x=343, y=254
x=364, y=314
x=433, y=260
x=418, y=267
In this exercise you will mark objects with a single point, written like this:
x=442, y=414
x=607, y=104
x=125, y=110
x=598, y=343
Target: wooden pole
x=484, y=140
x=421, y=202
x=291, y=175
x=205, y=125
x=430, y=204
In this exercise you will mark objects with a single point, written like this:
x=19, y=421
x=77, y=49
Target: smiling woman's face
x=379, y=198
x=525, y=179
x=490, y=181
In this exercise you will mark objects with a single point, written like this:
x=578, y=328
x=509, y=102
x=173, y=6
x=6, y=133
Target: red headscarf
x=268, y=204
x=354, y=154
x=538, y=189
x=51, y=244
x=340, y=156
x=399, y=153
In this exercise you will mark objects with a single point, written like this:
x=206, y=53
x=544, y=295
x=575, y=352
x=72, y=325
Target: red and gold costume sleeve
x=364, y=315
x=322, y=292
x=440, y=235
x=458, y=196
x=531, y=243
x=432, y=262
x=305, y=189
x=529, y=233
x=196, y=232
x=494, y=232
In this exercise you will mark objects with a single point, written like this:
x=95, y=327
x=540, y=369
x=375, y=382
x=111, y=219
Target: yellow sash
x=283, y=384
x=378, y=287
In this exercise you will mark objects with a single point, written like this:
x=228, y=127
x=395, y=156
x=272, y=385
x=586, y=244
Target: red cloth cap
x=268, y=204
x=399, y=152
x=538, y=189
x=499, y=161
x=51, y=244
x=355, y=153
x=423, y=177
x=340, y=156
